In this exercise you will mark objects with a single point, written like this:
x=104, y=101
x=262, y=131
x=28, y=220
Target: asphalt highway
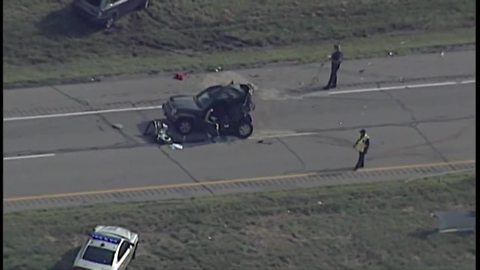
x=416, y=109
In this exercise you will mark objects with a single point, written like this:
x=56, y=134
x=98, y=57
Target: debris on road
x=117, y=126
x=264, y=142
x=176, y=146
x=215, y=69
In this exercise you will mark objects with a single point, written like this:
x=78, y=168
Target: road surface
x=416, y=109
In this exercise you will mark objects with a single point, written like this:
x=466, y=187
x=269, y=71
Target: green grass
x=374, y=226
x=43, y=41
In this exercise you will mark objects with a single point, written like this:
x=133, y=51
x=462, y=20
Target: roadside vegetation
x=44, y=42
x=375, y=226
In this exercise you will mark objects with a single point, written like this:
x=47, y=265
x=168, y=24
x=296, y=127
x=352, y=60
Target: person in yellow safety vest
x=362, y=145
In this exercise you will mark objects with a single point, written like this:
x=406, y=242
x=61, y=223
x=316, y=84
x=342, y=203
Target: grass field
x=43, y=41
x=375, y=226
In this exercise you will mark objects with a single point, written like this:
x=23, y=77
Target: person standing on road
x=361, y=145
x=336, y=58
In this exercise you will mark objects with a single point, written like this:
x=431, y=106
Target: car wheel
x=111, y=21
x=184, y=126
x=244, y=130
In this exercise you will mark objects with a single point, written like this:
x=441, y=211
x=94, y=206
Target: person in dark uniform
x=216, y=116
x=361, y=145
x=336, y=59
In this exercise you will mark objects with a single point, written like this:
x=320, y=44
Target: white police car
x=108, y=248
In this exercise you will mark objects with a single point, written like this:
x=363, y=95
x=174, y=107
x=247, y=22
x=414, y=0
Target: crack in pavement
x=102, y=117
x=77, y=100
x=293, y=152
x=414, y=125
x=128, y=138
x=185, y=170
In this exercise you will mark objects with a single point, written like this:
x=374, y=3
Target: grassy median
x=44, y=42
x=374, y=226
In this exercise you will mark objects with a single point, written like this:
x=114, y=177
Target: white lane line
x=389, y=88
x=29, y=156
x=44, y=116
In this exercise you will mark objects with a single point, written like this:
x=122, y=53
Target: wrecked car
x=106, y=12
x=188, y=113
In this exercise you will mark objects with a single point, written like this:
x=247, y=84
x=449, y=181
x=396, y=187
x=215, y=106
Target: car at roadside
x=107, y=248
x=106, y=12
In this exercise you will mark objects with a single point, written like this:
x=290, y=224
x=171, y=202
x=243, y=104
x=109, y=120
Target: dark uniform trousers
x=332, y=82
x=361, y=160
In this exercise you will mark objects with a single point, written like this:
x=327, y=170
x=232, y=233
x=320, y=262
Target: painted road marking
x=29, y=156
x=227, y=181
x=388, y=88
x=321, y=93
x=44, y=116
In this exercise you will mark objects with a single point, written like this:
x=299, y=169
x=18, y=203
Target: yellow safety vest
x=360, y=144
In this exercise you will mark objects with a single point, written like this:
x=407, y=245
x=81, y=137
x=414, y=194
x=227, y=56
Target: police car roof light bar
x=104, y=238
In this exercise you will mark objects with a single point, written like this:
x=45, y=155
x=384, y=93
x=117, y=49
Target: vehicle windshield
x=98, y=255
x=203, y=99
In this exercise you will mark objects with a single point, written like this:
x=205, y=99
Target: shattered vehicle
x=187, y=113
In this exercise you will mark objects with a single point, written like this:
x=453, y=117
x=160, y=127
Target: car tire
x=244, y=129
x=111, y=21
x=184, y=126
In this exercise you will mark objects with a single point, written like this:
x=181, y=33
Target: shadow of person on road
x=67, y=259
x=64, y=23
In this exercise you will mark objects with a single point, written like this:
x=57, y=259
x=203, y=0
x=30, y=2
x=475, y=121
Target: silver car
x=108, y=248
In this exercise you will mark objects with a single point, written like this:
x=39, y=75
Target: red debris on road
x=180, y=76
